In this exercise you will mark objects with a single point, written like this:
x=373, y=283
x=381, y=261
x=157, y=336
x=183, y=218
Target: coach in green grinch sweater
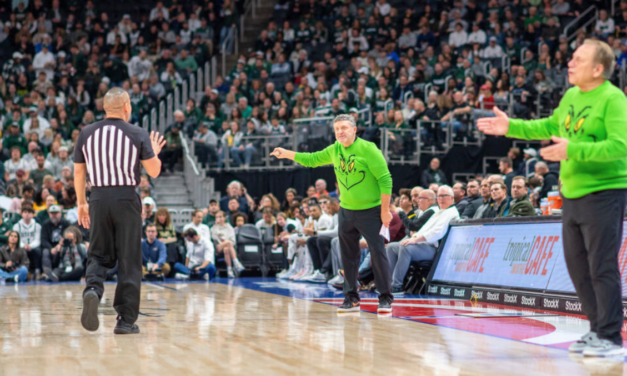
x=589, y=131
x=365, y=187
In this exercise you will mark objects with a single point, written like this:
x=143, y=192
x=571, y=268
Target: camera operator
x=72, y=257
x=13, y=260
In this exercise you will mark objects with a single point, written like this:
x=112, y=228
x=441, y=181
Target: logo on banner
x=470, y=257
x=510, y=299
x=477, y=294
x=460, y=293
x=517, y=256
x=493, y=296
x=530, y=257
x=550, y=303
x=528, y=301
x=445, y=291
x=573, y=306
x=432, y=289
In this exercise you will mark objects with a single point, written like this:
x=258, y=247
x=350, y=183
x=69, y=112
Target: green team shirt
x=595, y=123
x=361, y=171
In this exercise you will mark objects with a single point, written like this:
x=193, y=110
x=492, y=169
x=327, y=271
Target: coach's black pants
x=116, y=228
x=592, y=234
x=367, y=223
x=319, y=248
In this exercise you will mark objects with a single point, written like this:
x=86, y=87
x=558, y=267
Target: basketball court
x=255, y=326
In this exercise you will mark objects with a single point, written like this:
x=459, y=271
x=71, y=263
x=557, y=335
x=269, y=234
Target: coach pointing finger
x=365, y=186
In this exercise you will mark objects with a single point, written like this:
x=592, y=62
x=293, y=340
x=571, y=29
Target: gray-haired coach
x=365, y=186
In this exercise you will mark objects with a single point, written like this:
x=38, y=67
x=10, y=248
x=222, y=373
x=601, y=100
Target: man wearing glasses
x=423, y=244
x=427, y=206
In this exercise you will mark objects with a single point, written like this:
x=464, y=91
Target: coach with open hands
x=365, y=186
x=589, y=131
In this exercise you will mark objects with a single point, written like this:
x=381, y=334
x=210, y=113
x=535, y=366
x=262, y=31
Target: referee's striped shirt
x=112, y=150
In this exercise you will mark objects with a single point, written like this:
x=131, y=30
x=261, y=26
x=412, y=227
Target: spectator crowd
x=402, y=68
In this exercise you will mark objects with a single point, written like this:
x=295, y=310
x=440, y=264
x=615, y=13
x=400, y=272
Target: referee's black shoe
x=122, y=327
x=89, y=318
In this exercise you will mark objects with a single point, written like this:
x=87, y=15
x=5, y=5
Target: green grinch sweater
x=361, y=171
x=595, y=123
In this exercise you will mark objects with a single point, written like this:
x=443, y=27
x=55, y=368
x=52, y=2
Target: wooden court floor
x=220, y=329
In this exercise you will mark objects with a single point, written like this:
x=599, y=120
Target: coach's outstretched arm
x=283, y=154
x=501, y=125
x=541, y=129
x=494, y=126
x=320, y=158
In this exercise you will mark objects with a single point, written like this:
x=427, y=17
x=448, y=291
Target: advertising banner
x=523, y=255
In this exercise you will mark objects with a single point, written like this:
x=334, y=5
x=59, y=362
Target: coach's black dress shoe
x=123, y=327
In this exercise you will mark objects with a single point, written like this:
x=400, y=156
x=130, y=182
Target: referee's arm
x=80, y=179
x=153, y=165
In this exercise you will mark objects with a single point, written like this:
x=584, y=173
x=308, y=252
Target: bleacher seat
x=416, y=276
x=250, y=246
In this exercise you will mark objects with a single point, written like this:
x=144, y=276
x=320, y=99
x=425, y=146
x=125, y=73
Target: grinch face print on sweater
x=347, y=174
x=574, y=121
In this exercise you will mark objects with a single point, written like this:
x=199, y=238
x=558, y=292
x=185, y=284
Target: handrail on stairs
x=575, y=23
x=233, y=36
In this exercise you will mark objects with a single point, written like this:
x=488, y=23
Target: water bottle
x=544, y=205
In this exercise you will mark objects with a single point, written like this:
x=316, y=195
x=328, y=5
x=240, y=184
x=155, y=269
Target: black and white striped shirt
x=113, y=150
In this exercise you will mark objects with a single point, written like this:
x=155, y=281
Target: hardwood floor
x=216, y=328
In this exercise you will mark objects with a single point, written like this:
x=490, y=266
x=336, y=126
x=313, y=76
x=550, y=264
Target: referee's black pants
x=115, y=235
x=592, y=233
x=366, y=223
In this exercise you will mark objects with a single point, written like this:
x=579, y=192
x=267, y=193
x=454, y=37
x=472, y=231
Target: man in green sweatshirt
x=589, y=131
x=365, y=186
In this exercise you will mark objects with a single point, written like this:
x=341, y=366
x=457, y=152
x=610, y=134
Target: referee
x=365, y=187
x=110, y=151
x=589, y=131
